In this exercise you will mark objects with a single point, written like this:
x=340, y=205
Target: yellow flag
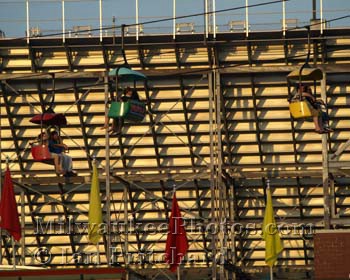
x=95, y=209
x=273, y=243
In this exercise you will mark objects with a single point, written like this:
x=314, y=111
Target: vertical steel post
x=246, y=19
x=325, y=167
x=108, y=183
x=27, y=20
x=174, y=19
x=206, y=19
x=284, y=17
x=314, y=17
x=212, y=174
x=221, y=195
x=137, y=19
x=63, y=23
x=100, y=10
x=214, y=18
x=23, y=255
x=126, y=227
x=321, y=16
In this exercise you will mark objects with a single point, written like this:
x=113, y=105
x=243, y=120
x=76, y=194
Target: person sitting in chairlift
x=321, y=119
x=118, y=123
x=56, y=146
x=44, y=139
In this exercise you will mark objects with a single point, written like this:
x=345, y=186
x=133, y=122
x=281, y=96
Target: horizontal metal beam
x=329, y=68
x=46, y=76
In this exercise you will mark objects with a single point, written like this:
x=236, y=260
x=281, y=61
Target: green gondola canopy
x=126, y=74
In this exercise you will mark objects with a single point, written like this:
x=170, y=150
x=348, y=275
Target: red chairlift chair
x=39, y=150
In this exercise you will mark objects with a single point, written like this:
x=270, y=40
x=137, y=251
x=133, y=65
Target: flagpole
x=98, y=253
x=12, y=240
x=178, y=267
x=23, y=255
x=108, y=173
x=271, y=270
x=13, y=252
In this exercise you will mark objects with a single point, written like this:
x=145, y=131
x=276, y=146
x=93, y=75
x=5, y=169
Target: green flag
x=95, y=209
x=273, y=243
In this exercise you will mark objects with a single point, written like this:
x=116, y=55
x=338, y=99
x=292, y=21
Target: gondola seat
x=131, y=110
x=302, y=109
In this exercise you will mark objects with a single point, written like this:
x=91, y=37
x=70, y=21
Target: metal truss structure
x=217, y=130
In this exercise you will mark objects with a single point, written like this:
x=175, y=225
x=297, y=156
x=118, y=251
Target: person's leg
x=57, y=163
x=118, y=125
x=325, y=122
x=67, y=162
x=118, y=128
x=106, y=124
x=68, y=165
x=316, y=120
x=64, y=162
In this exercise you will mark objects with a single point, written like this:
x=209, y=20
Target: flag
x=9, y=219
x=176, y=243
x=95, y=209
x=273, y=243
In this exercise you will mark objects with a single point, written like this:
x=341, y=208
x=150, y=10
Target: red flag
x=8, y=208
x=176, y=243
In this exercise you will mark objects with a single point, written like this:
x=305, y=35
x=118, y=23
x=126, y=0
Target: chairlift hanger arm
x=308, y=53
x=123, y=50
x=49, y=109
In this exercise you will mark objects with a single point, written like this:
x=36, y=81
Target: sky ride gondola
x=49, y=119
x=40, y=149
x=300, y=107
x=130, y=110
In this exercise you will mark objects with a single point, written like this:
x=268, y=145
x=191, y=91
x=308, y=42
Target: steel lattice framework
x=217, y=129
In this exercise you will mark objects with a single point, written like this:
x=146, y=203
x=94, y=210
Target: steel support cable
x=161, y=20
x=219, y=67
x=188, y=72
x=291, y=29
x=191, y=71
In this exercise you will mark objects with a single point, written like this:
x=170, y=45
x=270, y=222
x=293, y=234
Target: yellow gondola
x=300, y=108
